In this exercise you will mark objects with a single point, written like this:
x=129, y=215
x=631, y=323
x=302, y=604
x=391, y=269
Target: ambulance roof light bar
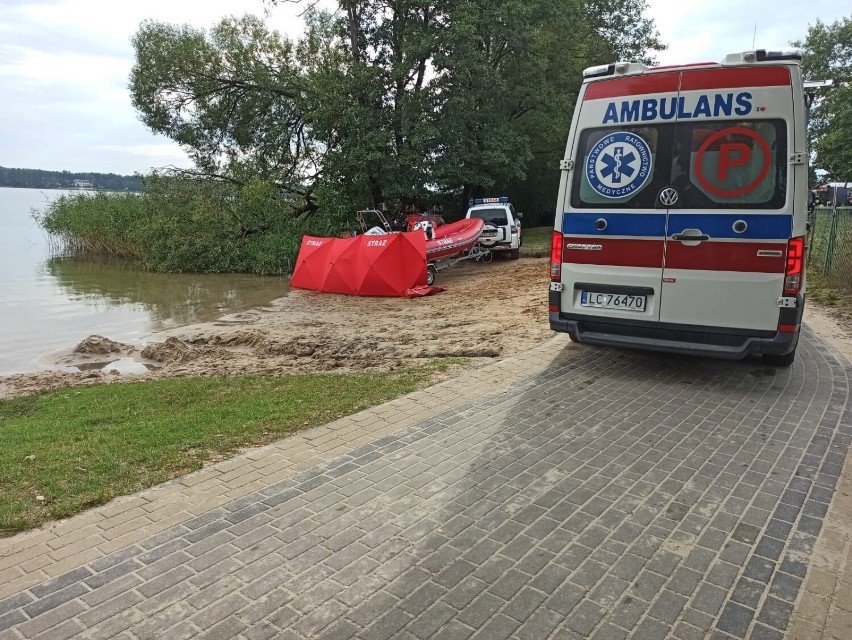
x=614, y=69
x=763, y=55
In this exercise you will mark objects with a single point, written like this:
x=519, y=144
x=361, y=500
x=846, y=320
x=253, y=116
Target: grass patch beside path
x=537, y=242
x=67, y=450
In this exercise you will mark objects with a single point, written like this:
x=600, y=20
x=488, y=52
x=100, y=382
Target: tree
x=383, y=100
x=512, y=77
x=234, y=98
x=828, y=56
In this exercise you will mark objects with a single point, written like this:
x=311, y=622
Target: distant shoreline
x=17, y=178
x=82, y=190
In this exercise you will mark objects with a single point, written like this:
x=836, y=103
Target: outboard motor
x=427, y=227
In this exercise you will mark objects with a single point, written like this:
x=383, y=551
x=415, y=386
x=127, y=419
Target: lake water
x=50, y=302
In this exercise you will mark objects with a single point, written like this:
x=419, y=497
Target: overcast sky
x=64, y=67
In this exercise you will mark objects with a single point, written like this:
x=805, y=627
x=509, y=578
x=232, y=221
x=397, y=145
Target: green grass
x=537, y=242
x=822, y=290
x=64, y=451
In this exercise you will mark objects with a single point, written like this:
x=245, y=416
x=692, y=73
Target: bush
x=186, y=225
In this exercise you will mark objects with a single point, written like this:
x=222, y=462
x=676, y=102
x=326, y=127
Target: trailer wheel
x=431, y=274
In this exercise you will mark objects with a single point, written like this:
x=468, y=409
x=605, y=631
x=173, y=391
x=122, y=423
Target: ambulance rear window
x=617, y=167
x=737, y=164
x=712, y=165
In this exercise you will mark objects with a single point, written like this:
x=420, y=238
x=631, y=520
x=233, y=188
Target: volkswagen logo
x=668, y=196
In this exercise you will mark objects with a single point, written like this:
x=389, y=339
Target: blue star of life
x=619, y=165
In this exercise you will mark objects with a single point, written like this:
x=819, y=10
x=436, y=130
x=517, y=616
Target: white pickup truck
x=502, y=231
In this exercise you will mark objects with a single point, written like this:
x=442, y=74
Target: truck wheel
x=776, y=360
x=514, y=254
x=431, y=274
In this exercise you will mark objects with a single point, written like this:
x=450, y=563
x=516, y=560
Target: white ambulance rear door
x=730, y=198
x=613, y=225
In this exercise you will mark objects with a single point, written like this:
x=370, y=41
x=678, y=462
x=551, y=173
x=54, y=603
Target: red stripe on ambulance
x=753, y=257
x=633, y=86
x=689, y=80
x=616, y=252
x=743, y=78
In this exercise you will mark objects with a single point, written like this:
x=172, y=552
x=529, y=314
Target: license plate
x=612, y=301
x=490, y=232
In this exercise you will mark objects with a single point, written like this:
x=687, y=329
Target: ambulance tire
x=776, y=360
x=514, y=254
x=573, y=337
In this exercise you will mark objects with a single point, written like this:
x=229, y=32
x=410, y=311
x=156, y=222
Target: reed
x=184, y=225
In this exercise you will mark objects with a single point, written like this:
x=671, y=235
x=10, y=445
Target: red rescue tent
x=366, y=265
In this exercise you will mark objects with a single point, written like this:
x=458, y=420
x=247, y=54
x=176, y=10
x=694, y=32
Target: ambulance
x=682, y=209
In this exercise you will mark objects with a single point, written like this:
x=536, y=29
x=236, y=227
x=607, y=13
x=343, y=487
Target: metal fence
x=830, y=246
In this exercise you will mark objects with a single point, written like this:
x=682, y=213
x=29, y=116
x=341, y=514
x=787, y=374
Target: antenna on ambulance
x=754, y=37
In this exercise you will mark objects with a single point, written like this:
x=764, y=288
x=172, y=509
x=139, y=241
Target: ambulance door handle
x=685, y=237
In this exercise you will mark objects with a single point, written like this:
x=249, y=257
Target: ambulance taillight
x=556, y=243
x=795, y=266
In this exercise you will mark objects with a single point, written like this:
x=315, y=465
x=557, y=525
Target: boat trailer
x=476, y=252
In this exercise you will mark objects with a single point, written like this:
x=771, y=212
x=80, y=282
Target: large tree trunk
x=353, y=20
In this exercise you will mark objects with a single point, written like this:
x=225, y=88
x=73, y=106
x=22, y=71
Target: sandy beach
x=487, y=311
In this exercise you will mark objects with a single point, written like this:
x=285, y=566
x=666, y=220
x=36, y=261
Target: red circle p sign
x=735, y=149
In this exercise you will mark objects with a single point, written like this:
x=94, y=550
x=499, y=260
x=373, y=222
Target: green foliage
x=828, y=56
x=232, y=97
x=385, y=102
x=179, y=224
x=101, y=223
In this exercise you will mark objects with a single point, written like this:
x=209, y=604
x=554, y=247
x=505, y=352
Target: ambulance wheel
x=778, y=360
x=514, y=254
x=431, y=274
x=573, y=337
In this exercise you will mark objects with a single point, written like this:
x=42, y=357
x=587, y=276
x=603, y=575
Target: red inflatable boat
x=442, y=240
x=451, y=239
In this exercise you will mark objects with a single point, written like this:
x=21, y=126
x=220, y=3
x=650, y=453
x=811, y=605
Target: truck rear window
x=712, y=165
x=491, y=216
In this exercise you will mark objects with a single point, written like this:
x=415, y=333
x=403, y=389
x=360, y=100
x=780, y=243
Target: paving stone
x=785, y=586
x=775, y=613
x=15, y=602
x=668, y=606
x=735, y=619
x=760, y=569
x=652, y=629
x=427, y=624
x=74, y=589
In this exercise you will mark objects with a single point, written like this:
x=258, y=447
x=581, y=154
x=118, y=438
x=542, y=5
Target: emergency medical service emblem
x=619, y=165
